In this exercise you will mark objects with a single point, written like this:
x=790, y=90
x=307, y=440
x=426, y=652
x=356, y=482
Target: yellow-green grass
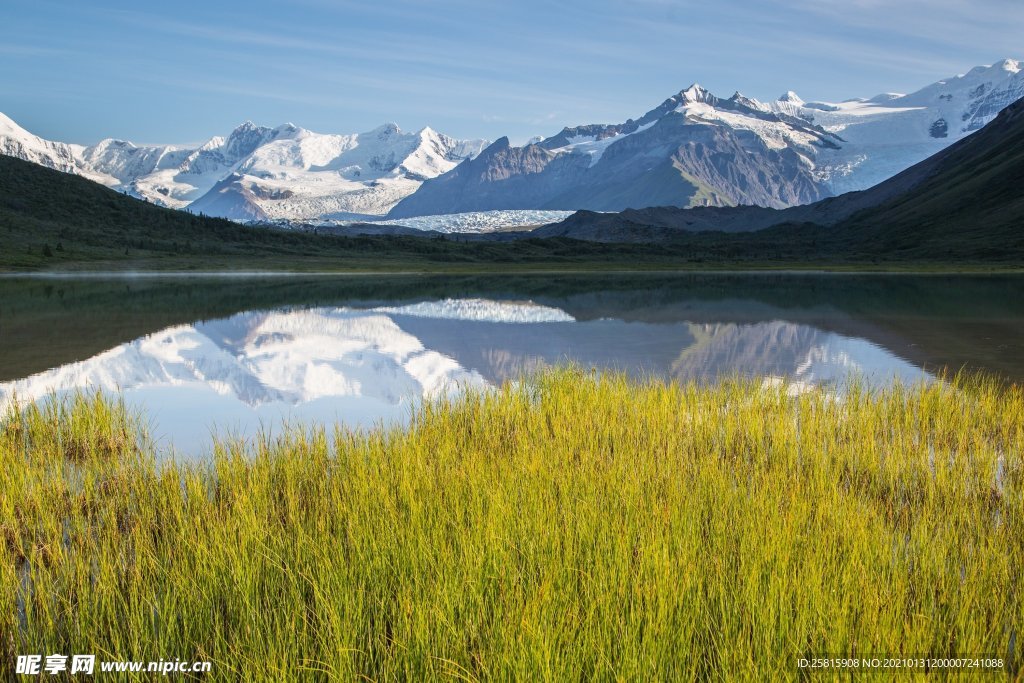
x=574, y=527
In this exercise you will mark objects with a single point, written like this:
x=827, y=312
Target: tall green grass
x=574, y=527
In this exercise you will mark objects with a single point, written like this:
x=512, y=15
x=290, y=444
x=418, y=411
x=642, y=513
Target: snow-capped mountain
x=698, y=149
x=298, y=175
x=258, y=172
x=15, y=141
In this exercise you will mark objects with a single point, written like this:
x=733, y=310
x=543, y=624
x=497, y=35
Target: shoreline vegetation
x=572, y=526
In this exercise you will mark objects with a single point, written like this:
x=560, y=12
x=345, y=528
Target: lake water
x=237, y=355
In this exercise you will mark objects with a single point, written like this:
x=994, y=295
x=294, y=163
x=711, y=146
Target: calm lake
x=239, y=355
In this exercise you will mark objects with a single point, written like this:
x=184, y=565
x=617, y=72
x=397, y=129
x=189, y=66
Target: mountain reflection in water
x=254, y=370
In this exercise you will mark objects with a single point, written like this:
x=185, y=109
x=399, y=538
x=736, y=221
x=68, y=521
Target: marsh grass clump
x=74, y=429
x=575, y=526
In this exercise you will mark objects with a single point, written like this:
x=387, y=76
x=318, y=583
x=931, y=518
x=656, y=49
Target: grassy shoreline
x=578, y=527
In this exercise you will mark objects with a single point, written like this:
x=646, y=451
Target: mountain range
x=259, y=173
x=694, y=149
x=697, y=149
x=961, y=205
x=966, y=196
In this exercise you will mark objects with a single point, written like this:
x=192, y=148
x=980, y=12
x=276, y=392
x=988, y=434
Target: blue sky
x=181, y=72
